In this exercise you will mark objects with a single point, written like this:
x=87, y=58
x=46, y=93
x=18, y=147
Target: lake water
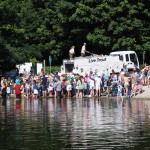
x=104, y=124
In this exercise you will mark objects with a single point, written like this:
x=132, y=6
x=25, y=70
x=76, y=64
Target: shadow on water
x=4, y=103
x=90, y=123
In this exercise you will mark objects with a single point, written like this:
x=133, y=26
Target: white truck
x=102, y=63
x=27, y=66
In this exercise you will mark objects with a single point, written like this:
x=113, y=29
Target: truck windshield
x=133, y=59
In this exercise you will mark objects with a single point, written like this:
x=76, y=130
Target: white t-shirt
x=76, y=71
x=122, y=73
x=71, y=51
x=97, y=81
x=91, y=82
x=8, y=90
x=82, y=74
x=120, y=88
x=83, y=49
x=27, y=86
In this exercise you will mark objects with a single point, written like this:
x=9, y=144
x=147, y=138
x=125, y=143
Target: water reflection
x=75, y=124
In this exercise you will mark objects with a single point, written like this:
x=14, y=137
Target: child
x=35, y=89
x=22, y=90
x=120, y=90
x=50, y=89
x=129, y=88
x=139, y=87
x=27, y=88
x=8, y=90
x=92, y=86
x=105, y=86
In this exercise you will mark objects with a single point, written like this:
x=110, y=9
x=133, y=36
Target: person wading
x=58, y=87
x=17, y=89
x=4, y=91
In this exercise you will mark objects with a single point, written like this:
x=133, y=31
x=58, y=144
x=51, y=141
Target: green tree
x=39, y=28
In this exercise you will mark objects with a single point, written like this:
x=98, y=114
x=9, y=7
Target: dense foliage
x=37, y=28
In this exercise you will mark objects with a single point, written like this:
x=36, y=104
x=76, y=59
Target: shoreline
x=108, y=97
x=145, y=95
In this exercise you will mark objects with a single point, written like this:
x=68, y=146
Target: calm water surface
x=75, y=124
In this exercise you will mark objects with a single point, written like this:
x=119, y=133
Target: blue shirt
x=44, y=81
x=35, y=86
x=115, y=78
x=17, y=81
x=148, y=74
x=106, y=76
x=138, y=74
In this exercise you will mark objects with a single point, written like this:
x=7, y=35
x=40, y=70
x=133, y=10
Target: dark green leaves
x=35, y=29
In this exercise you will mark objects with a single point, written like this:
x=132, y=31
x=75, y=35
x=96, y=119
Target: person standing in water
x=17, y=89
x=120, y=91
x=58, y=87
x=4, y=91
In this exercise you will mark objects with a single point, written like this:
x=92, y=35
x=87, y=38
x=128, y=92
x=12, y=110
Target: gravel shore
x=145, y=94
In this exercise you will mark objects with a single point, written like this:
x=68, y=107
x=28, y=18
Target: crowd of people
x=83, y=84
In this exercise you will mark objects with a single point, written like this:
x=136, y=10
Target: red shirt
x=17, y=89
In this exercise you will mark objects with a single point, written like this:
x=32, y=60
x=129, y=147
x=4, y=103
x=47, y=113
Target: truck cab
x=129, y=58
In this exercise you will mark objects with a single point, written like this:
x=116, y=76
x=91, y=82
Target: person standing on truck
x=71, y=52
x=83, y=50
